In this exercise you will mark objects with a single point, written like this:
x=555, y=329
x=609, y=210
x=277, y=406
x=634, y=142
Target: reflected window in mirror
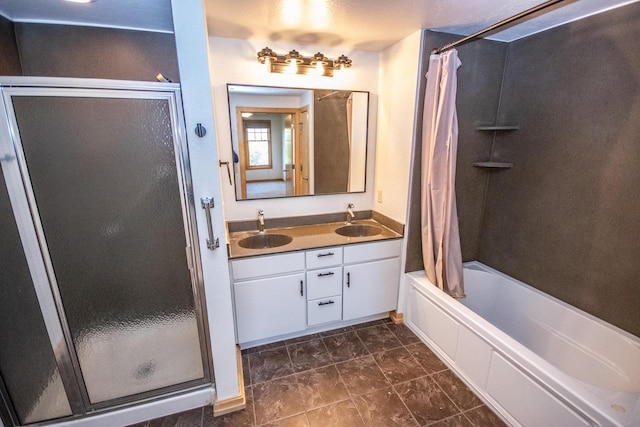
x=258, y=143
x=318, y=140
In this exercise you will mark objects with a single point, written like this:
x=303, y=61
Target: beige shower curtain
x=441, y=250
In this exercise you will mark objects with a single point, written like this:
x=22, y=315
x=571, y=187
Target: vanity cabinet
x=270, y=296
x=371, y=278
x=278, y=295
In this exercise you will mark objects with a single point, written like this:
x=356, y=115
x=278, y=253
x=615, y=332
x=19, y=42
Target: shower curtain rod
x=320, y=98
x=502, y=23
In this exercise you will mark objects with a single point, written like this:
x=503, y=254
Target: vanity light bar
x=294, y=63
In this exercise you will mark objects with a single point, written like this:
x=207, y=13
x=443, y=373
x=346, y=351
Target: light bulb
x=319, y=68
x=292, y=68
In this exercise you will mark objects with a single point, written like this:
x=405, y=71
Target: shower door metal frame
x=7, y=411
x=22, y=214
x=34, y=242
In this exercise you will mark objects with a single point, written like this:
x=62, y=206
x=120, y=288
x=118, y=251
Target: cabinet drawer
x=372, y=251
x=265, y=266
x=327, y=257
x=324, y=310
x=324, y=283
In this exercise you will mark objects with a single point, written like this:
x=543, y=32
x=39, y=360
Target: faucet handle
x=350, y=205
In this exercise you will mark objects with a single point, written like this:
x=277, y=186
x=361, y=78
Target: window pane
x=258, y=145
x=258, y=153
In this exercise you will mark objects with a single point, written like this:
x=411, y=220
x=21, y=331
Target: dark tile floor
x=374, y=374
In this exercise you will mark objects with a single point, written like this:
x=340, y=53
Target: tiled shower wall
x=565, y=219
x=330, y=143
x=479, y=81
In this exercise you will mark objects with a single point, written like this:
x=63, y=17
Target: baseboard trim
x=236, y=403
x=396, y=318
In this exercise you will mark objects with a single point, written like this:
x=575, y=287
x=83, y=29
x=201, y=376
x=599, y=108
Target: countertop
x=307, y=237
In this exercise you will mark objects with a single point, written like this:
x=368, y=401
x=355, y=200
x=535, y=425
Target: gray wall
x=9, y=58
x=330, y=143
x=105, y=53
x=85, y=52
x=479, y=80
x=566, y=218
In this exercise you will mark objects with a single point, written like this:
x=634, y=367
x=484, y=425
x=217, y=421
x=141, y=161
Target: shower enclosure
x=101, y=294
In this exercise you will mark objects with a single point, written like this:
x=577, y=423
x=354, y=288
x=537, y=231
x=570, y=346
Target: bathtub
x=535, y=360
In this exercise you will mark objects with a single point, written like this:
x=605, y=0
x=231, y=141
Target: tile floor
x=375, y=374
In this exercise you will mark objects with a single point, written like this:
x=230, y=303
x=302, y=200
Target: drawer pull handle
x=327, y=254
x=301, y=289
x=326, y=303
x=348, y=280
x=331, y=273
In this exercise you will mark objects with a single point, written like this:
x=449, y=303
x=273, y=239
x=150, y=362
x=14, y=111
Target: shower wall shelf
x=497, y=128
x=493, y=165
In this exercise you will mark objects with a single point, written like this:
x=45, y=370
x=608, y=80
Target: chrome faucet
x=261, y=221
x=350, y=215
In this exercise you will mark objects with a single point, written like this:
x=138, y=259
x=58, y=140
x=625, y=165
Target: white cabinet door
x=270, y=307
x=370, y=288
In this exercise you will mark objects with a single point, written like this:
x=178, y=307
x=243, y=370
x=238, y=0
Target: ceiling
x=370, y=25
x=376, y=24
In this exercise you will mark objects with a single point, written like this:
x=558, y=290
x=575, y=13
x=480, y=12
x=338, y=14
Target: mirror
x=297, y=142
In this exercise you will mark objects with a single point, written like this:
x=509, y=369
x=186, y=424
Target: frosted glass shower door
x=25, y=349
x=107, y=180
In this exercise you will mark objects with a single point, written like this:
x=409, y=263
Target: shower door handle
x=207, y=204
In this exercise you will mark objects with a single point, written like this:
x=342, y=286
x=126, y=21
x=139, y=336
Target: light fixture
x=342, y=62
x=319, y=62
x=294, y=63
x=81, y=1
x=293, y=59
x=246, y=115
